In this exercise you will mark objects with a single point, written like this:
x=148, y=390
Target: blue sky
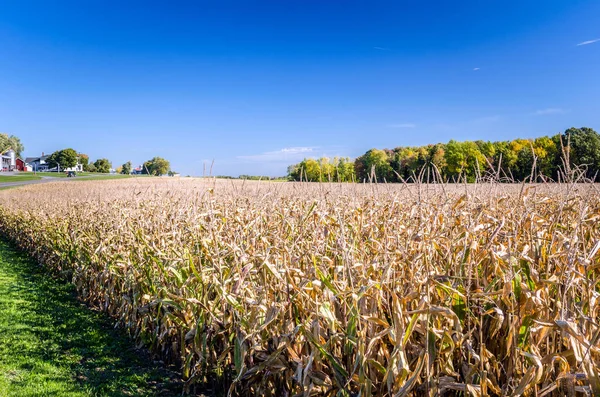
x=258, y=85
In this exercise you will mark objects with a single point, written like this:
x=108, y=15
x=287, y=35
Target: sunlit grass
x=19, y=178
x=51, y=345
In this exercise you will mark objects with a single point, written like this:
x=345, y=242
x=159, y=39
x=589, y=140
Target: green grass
x=100, y=177
x=19, y=178
x=63, y=174
x=81, y=175
x=52, y=345
x=52, y=174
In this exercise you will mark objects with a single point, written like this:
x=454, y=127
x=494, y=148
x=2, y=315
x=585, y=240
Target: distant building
x=77, y=168
x=40, y=164
x=10, y=161
x=20, y=165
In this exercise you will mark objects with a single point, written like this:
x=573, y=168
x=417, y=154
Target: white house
x=9, y=160
x=38, y=163
x=77, y=168
x=12, y=162
x=41, y=164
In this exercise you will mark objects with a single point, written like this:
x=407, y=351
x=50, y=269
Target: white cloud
x=476, y=69
x=285, y=154
x=402, y=125
x=300, y=149
x=543, y=112
x=588, y=42
x=382, y=48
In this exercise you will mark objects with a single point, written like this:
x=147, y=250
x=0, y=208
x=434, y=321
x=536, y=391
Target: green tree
x=525, y=160
x=338, y=169
x=311, y=170
x=506, y=156
x=548, y=156
x=327, y=169
x=11, y=142
x=512, y=160
x=84, y=160
x=65, y=158
x=126, y=168
x=156, y=166
x=306, y=170
x=345, y=170
x=405, y=161
x=584, y=148
x=293, y=172
x=374, y=165
x=487, y=149
x=437, y=158
x=464, y=158
x=102, y=166
x=90, y=168
x=245, y=176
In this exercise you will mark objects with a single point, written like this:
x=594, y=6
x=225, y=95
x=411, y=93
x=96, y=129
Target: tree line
x=542, y=158
x=338, y=169
x=156, y=166
x=68, y=158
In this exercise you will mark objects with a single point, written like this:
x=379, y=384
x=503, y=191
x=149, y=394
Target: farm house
x=9, y=160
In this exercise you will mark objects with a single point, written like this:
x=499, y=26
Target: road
x=45, y=179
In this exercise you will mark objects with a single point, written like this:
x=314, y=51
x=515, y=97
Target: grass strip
x=19, y=178
x=52, y=345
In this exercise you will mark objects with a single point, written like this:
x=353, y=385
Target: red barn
x=20, y=165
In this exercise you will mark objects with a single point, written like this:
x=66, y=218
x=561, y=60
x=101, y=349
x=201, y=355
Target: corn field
x=299, y=289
